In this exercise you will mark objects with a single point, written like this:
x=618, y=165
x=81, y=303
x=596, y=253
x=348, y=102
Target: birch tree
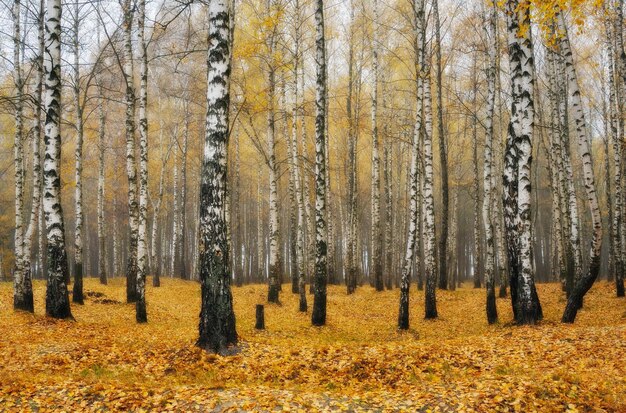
x=403, y=313
x=584, y=283
x=22, y=284
x=102, y=275
x=77, y=291
x=376, y=253
x=443, y=153
x=274, y=247
x=295, y=164
x=217, y=330
x=318, y=317
x=131, y=165
x=57, y=297
x=615, y=108
x=516, y=177
x=430, y=245
x=351, y=247
x=490, y=29
x=142, y=235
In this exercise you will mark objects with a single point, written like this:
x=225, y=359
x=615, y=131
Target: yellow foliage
x=359, y=362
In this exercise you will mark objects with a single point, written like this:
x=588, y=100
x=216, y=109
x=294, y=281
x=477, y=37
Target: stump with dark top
x=260, y=317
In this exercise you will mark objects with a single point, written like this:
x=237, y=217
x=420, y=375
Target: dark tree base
x=403, y=316
x=303, y=306
x=24, y=303
x=430, y=314
x=318, y=318
x=131, y=283
x=619, y=286
x=57, y=296
x=492, y=310
x=272, y=294
x=156, y=281
x=140, y=312
x=502, y=293
x=477, y=284
x=294, y=286
x=77, y=290
x=260, y=317
x=103, y=280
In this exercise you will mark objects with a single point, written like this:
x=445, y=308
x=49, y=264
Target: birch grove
x=348, y=147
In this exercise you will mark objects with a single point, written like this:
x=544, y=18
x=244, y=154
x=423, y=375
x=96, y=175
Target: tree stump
x=260, y=317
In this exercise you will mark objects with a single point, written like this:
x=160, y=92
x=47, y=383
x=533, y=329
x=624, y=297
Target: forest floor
x=104, y=361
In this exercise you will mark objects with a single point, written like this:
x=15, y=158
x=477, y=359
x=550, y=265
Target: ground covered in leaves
x=104, y=361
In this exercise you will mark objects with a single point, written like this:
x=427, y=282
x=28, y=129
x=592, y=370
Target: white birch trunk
x=57, y=297
x=376, y=239
x=584, y=283
x=131, y=164
x=77, y=292
x=403, y=314
x=490, y=29
x=318, y=317
x=217, y=329
x=142, y=235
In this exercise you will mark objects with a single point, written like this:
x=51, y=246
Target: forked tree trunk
x=403, y=313
x=584, y=283
x=516, y=178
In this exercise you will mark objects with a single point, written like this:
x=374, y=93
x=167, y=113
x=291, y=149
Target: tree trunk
x=516, y=180
x=182, y=268
x=318, y=317
x=376, y=239
x=142, y=240
x=22, y=284
x=403, y=314
x=301, y=221
x=615, y=109
x=430, y=268
x=57, y=297
x=217, y=329
x=443, y=155
x=131, y=165
x=490, y=29
x=101, y=168
x=584, y=283
x=274, y=284
x=77, y=291
x=351, y=257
